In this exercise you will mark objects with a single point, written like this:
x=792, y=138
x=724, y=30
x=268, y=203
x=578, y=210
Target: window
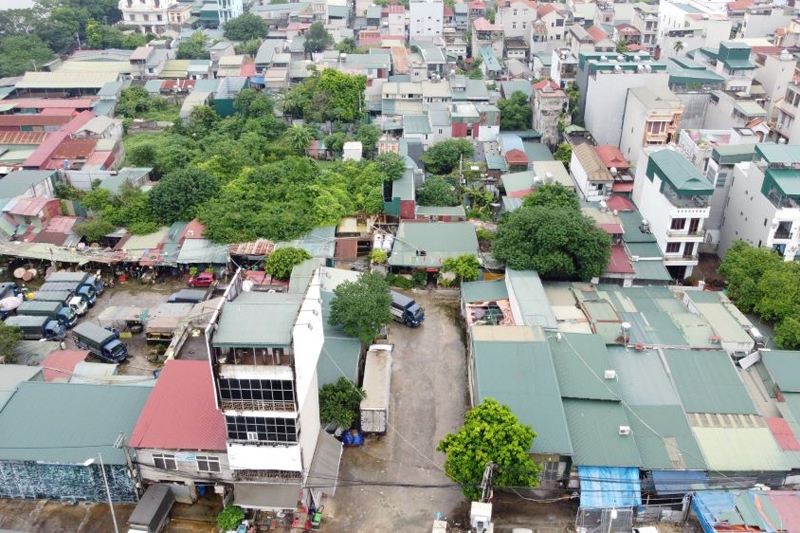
x=207, y=463
x=145, y=17
x=673, y=247
x=270, y=390
x=266, y=429
x=159, y=18
x=549, y=472
x=677, y=223
x=164, y=461
x=656, y=128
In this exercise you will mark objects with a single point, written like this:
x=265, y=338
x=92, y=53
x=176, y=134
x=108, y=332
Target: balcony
x=258, y=405
x=682, y=235
x=681, y=259
x=254, y=357
x=696, y=205
x=253, y=475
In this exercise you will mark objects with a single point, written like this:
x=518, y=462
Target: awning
x=324, y=471
x=267, y=496
x=622, y=186
x=603, y=487
x=678, y=482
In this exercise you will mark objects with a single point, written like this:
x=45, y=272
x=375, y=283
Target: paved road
x=428, y=402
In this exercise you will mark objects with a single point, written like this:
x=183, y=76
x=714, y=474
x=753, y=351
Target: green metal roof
x=732, y=449
x=687, y=63
x=581, y=361
x=258, y=319
x=73, y=422
x=786, y=180
x=678, y=448
x=489, y=59
x=510, y=87
x=654, y=328
x=496, y=162
x=673, y=168
x=707, y=382
x=483, y=291
x=531, y=299
x=787, y=154
x=686, y=76
x=416, y=125
x=739, y=64
x=651, y=271
x=537, y=152
x=750, y=109
x=594, y=431
x=517, y=181
x=642, y=378
x=631, y=224
x=439, y=241
x=730, y=154
x=445, y=211
x=783, y=368
x=521, y=375
x=339, y=355
x=319, y=242
x=644, y=249
x=404, y=187
x=13, y=375
x=16, y=183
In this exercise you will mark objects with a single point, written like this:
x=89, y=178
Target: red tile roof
x=636, y=48
x=739, y=5
x=520, y=193
x=596, y=33
x=32, y=120
x=516, y=157
x=396, y=9
x=22, y=137
x=627, y=29
x=619, y=262
x=30, y=207
x=481, y=24
x=612, y=157
x=545, y=10
x=610, y=228
x=620, y=203
x=248, y=69
x=544, y=83
x=448, y=11
x=622, y=186
x=60, y=365
x=181, y=412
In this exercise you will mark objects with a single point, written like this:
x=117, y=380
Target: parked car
x=203, y=279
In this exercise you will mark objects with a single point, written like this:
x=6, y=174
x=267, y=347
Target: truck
x=377, y=388
x=404, y=309
x=66, y=316
x=100, y=342
x=83, y=277
x=152, y=512
x=36, y=328
x=68, y=298
x=84, y=291
x=123, y=318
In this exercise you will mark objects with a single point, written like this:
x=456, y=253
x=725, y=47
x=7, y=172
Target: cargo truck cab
x=37, y=327
x=78, y=305
x=404, y=309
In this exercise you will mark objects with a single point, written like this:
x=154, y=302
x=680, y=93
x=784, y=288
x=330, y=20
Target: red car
x=203, y=279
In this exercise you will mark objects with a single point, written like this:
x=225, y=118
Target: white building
x=787, y=127
x=762, y=206
x=591, y=176
x=652, y=117
x=731, y=61
x=763, y=20
x=775, y=75
x=693, y=25
x=426, y=18
x=516, y=18
x=264, y=348
x=149, y=15
x=674, y=197
x=645, y=19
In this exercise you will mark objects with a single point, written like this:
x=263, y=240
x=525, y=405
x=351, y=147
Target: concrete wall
x=187, y=473
x=695, y=105
x=746, y=209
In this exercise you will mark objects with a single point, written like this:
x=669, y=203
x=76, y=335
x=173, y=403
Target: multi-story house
x=674, y=196
x=516, y=17
x=484, y=33
x=549, y=30
x=763, y=19
x=645, y=19
x=264, y=349
x=150, y=16
x=604, y=13
x=426, y=18
x=550, y=106
x=787, y=127
x=589, y=171
x=626, y=33
x=563, y=67
x=215, y=13
x=179, y=14
x=763, y=206
x=731, y=61
x=477, y=9
x=652, y=117
x=775, y=72
x=395, y=18
x=685, y=26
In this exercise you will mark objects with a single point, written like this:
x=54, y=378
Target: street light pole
x=108, y=489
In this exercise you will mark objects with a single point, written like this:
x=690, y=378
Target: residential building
x=395, y=19
x=645, y=19
x=730, y=60
x=484, y=33
x=626, y=33
x=426, y=18
x=491, y=67
x=728, y=109
x=554, y=23
x=674, y=196
x=762, y=20
x=563, y=67
x=149, y=15
x=652, y=117
x=215, y=13
x=604, y=81
x=550, y=109
x=591, y=176
x=775, y=74
x=579, y=41
x=180, y=437
x=516, y=18
x=685, y=26
x=619, y=167
x=427, y=246
x=179, y=14
x=264, y=351
x=766, y=191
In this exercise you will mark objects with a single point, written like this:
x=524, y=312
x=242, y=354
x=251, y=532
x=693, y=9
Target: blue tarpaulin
x=678, y=482
x=604, y=487
x=735, y=510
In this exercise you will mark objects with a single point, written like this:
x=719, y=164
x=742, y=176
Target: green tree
x=94, y=229
x=563, y=153
x=622, y=46
x=361, y=307
x=491, y=433
x=744, y=266
x=193, y=48
x=466, y=267
x=300, y=137
x=378, y=257
x=317, y=38
x=446, y=156
x=558, y=243
x=230, y=517
x=245, y=27
x=279, y=264
x=787, y=333
x=368, y=134
x=348, y=45
x=335, y=141
x=437, y=192
x=249, y=47
x=515, y=112
x=328, y=95
x=678, y=46
x=135, y=101
x=552, y=195
x=21, y=53
x=391, y=165
x=779, y=292
x=339, y=403
x=9, y=338
x=180, y=192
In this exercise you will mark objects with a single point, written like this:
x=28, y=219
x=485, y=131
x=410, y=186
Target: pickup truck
x=100, y=341
x=404, y=309
x=36, y=328
x=66, y=316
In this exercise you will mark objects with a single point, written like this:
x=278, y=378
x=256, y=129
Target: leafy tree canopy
x=563, y=153
x=391, y=165
x=339, y=403
x=466, y=267
x=317, y=38
x=21, y=53
x=744, y=266
x=94, y=229
x=444, y=157
x=193, y=48
x=361, y=307
x=515, y=112
x=491, y=433
x=327, y=95
x=437, y=192
x=9, y=338
x=335, y=141
x=245, y=27
x=180, y=192
x=552, y=195
x=279, y=264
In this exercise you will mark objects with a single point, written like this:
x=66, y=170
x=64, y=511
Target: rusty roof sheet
x=259, y=247
x=22, y=137
x=74, y=149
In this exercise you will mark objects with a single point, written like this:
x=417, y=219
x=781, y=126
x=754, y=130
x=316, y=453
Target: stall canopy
x=678, y=482
x=267, y=496
x=605, y=487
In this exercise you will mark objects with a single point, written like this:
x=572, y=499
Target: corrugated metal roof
x=11, y=376
x=258, y=319
x=319, y=242
x=581, y=361
x=439, y=240
x=651, y=271
x=451, y=211
x=734, y=449
x=67, y=79
x=199, y=251
x=707, y=382
x=529, y=296
x=642, y=378
x=482, y=291
x=177, y=417
x=16, y=183
x=678, y=448
x=594, y=431
x=59, y=366
x=73, y=422
x=521, y=375
x=784, y=368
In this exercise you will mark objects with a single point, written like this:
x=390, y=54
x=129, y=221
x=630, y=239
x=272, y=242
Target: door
x=688, y=250
x=694, y=225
